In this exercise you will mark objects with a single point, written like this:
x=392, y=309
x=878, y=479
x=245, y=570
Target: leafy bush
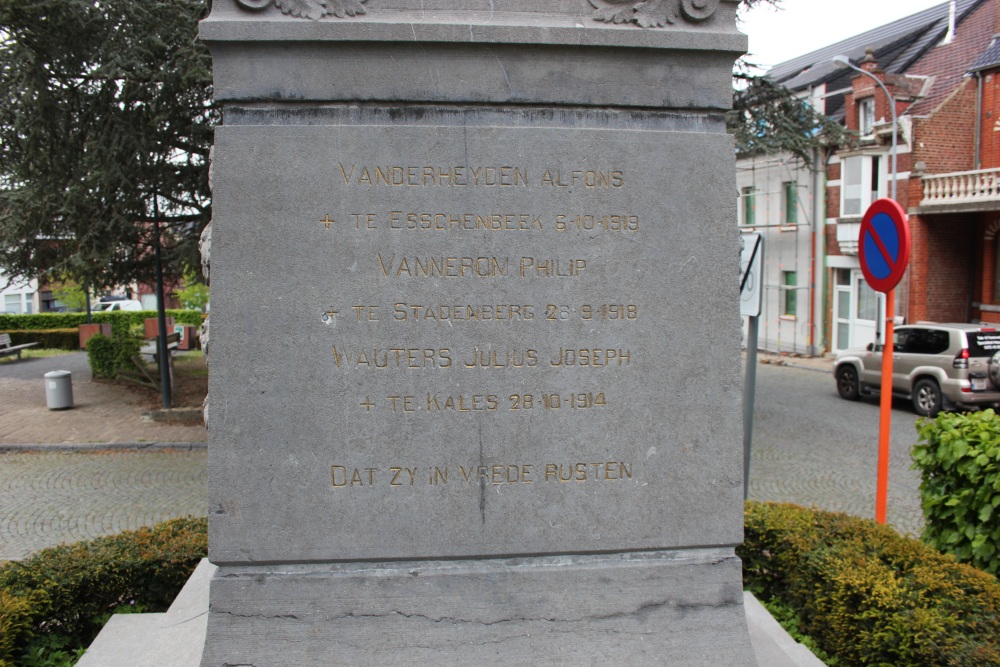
x=868, y=595
x=49, y=339
x=60, y=597
x=959, y=460
x=120, y=320
x=108, y=356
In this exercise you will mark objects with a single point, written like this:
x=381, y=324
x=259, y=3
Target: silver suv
x=934, y=365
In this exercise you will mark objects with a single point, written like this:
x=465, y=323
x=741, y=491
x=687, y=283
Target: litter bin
x=59, y=390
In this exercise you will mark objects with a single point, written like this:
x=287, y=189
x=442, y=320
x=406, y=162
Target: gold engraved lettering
x=462, y=403
x=589, y=179
x=443, y=222
x=368, y=220
x=341, y=479
x=498, y=474
x=407, y=404
x=393, y=357
x=590, y=223
x=366, y=313
x=592, y=357
x=413, y=312
x=444, y=267
x=538, y=267
x=507, y=359
x=433, y=176
x=343, y=172
x=399, y=480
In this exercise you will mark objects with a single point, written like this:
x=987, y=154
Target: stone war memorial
x=475, y=357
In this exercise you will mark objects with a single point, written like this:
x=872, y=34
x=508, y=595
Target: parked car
x=934, y=365
x=120, y=304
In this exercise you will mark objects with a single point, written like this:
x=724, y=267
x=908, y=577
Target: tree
x=70, y=295
x=104, y=106
x=195, y=294
x=768, y=118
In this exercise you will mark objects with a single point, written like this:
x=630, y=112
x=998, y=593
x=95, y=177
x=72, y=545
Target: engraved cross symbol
x=368, y=405
x=330, y=314
x=327, y=221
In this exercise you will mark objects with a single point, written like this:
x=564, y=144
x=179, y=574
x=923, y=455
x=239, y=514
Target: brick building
x=941, y=66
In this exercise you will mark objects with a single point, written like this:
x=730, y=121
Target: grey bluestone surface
x=474, y=300
x=176, y=639
x=171, y=639
x=640, y=609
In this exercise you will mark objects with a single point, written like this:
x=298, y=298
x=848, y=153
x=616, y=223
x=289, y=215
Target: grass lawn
x=34, y=353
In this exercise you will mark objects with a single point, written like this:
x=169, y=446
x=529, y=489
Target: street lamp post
x=885, y=399
x=844, y=61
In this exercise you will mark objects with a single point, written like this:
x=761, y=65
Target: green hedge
x=48, y=339
x=68, y=591
x=108, y=356
x=959, y=461
x=121, y=320
x=866, y=594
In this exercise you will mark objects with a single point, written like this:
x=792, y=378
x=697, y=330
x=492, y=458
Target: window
x=866, y=116
x=789, y=282
x=867, y=302
x=791, y=196
x=926, y=341
x=12, y=303
x=747, y=194
x=862, y=182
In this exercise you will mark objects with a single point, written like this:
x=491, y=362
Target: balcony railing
x=962, y=187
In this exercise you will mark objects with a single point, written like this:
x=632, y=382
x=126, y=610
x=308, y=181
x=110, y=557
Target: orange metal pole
x=885, y=409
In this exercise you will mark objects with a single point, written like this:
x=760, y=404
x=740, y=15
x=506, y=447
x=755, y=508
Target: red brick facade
x=953, y=255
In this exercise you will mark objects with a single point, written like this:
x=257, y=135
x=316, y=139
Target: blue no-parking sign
x=884, y=244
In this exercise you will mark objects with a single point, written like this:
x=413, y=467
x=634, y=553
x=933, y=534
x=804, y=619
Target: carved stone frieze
x=653, y=13
x=308, y=9
x=644, y=13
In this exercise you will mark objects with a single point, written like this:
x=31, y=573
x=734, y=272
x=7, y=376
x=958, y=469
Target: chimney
x=952, y=11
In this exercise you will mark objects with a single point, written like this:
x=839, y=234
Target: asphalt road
x=811, y=447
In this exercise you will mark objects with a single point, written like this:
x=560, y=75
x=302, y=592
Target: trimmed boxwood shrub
x=109, y=355
x=121, y=321
x=868, y=595
x=959, y=461
x=49, y=339
x=69, y=591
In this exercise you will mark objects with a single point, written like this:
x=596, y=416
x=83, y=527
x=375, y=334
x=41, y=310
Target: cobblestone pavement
x=51, y=497
x=102, y=413
x=812, y=448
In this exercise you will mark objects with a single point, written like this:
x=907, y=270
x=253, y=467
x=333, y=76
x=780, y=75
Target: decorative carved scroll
x=653, y=13
x=308, y=9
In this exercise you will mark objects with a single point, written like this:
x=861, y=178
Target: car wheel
x=847, y=382
x=994, y=370
x=927, y=398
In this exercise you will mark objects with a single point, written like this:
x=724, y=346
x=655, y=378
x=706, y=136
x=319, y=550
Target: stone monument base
x=673, y=607
x=177, y=638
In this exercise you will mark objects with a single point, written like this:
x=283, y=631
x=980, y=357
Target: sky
x=801, y=26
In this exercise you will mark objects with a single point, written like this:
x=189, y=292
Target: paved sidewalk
x=821, y=364
x=103, y=413
x=53, y=497
x=96, y=469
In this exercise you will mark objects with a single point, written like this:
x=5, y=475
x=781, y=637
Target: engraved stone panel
x=450, y=341
x=475, y=346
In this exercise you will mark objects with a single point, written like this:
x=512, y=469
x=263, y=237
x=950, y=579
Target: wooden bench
x=150, y=348
x=7, y=349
